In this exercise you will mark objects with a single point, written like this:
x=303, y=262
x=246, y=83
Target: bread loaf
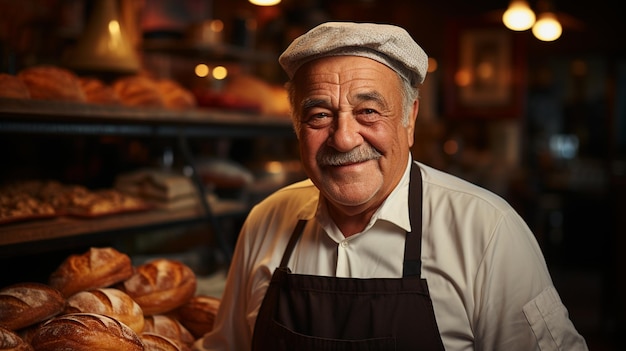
x=98, y=92
x=110, y=302
x=25, y=304
x=198, y=315
x=161, y=285
x=169, y=327
x=96, y=268
x=156, y=342
x=85, y=332
x=48, y=82
x=12, y=87
x=175, y=96
x=10, y=341
x=138, y=91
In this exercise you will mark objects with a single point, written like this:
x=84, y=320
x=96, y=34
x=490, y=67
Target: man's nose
x=346, y=134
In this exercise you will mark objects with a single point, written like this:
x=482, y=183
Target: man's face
x=353, y=144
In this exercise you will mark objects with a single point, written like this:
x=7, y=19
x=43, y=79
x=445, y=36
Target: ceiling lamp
x=547, y=27
x=265, y=2
x=518, y=16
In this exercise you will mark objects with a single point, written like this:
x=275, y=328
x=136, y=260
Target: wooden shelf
x=64, y=227
x=58, y=117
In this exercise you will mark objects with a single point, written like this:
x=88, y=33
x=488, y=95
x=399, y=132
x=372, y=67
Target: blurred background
x=541, y=123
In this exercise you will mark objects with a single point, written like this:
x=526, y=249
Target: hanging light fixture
x=265, y=2
x=518, y=16
x=547, y=27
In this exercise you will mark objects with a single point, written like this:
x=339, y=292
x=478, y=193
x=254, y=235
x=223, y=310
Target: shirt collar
x=395, y=208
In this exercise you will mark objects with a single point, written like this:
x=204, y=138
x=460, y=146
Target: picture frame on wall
x=484, y=77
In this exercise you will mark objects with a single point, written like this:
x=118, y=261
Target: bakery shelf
x=58, y=117
x=39, y=234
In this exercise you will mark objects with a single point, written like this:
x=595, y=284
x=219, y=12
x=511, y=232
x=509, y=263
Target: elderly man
x=377, y=251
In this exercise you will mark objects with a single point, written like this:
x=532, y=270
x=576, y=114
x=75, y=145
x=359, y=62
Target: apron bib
x=307, y=312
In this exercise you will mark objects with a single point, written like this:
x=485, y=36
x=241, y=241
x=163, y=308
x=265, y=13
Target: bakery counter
x=49, y=234
x=59, y=117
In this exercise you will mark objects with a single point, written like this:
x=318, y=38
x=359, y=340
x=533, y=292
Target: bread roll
x=25, y=304
x=52, y=83
x=175, y=96
x=12, y=87
x=161, y=285
x=86, y=332
x=156, y=342
x=169, y=327
x=138, y=91
x=198, y=315
x=98, y=92
x=96, y=268
x=110, y=302
x=10, y=341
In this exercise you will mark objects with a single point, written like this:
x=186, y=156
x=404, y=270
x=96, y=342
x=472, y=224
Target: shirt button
x=344, y=243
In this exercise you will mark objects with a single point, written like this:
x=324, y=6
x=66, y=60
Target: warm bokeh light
x=463, y=78
x=220, y=72
x=547, y=27
x=201, y=70
x=265, y=2
x=432, y=65
x=451, y=147
x=518, y=16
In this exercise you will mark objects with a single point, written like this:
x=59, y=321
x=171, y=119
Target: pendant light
x=547, y=27
x=264, y=2
x=105, y=45
x=518, y=16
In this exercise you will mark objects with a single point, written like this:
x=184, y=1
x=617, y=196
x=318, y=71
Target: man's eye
x=318, y=119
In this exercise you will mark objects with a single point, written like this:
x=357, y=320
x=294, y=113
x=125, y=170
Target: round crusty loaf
x=161, y=285
x=98, y=92
x=96, y=268
x=175, y=96
x=138, y=91
x=13, y=87
x=108, y=301
x=49, y=82
x=9, y=341
x=85, y=332
x=25, y=304
x=198, y=314
x=169, y=327
x=156, y=342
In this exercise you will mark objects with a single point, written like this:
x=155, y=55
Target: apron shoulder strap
x=295, y=236
x=413, y=242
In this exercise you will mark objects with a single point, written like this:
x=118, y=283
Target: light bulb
x=547, y=27
x=264, y=2
x=518, y=16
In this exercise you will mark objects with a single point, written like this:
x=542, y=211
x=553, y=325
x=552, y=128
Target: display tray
x=67, y=111
x=68, y=226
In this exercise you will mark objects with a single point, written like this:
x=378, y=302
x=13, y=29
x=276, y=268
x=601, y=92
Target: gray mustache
x=330, y=157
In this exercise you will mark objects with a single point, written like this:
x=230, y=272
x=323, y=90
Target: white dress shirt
x=490, y=287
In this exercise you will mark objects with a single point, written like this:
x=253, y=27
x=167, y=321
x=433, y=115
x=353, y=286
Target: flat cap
x=388, y=44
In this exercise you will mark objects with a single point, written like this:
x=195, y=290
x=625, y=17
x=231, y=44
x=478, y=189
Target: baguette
x=110, y=302
x=198, y=314
x=25, y=304
x=85, y=332
x=10, y=341
x=169, y=327
x=161, y=285
x=96, y=268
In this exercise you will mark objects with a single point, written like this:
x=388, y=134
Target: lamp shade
x=105, y=45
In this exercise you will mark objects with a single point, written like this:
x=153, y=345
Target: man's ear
x=410, y=128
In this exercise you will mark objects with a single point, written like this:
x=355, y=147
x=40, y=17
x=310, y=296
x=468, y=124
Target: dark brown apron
x=307, y=312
